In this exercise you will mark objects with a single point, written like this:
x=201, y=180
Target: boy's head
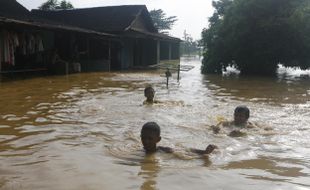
x=150, y=136
x=241, y=115
x=149, y=93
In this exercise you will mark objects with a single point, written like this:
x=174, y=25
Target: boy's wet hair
x=149, y=88
x=151, y=126
x=243, y=109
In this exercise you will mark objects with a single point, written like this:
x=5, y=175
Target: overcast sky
x=192, y=14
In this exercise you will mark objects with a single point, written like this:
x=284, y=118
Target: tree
x=161, y=21
x=65, y=5
x=188, y=45
x=54, y=4
x=257, y=35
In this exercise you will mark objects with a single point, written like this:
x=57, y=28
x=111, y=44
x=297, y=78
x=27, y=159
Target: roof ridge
x=87, y=8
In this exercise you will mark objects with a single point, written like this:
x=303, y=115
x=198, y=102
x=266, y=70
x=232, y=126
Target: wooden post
x=168, y=74
x=67, y=67
x=87, y=47
x=109, y=55
x=158, y=52
x=169, y=51
x=0, y=71
x=179, y=68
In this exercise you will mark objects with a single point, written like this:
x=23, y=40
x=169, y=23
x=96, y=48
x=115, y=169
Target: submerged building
x=77, y=40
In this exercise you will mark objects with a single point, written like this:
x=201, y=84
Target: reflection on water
x=149, y=169
x=271, y=165
x=82, y=132
x=258, y=89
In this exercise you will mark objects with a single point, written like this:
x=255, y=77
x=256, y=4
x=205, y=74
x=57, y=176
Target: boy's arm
x=226, y=123
x=208, y=150
x=237, y=133
x=216, y=128
x=157, y=102
x=251, y=125
x=165, y=149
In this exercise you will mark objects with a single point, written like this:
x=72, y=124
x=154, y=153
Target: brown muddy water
x=81, y=132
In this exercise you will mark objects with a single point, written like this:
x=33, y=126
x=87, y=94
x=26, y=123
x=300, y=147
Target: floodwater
x=81, y=132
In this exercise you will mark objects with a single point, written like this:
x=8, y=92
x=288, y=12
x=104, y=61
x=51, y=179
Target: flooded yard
x=82, y=131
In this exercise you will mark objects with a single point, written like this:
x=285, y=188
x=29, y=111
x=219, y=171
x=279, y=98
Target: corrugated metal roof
x=12, y=9
x=156, y=35
x=98, y=20
x=52, y=26
x=114, y=19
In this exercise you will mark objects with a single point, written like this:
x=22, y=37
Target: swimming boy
x=150, y=136
x=241, y=116
x=149, y=93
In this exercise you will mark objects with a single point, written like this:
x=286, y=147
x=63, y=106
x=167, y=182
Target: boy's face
x=149, y=94
x=240, y=118
x=149, y=140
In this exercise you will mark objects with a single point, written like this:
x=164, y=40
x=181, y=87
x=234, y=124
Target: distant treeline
x=257, y=35
x=189, y=46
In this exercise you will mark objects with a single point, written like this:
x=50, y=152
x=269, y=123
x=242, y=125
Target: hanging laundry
x=30, y=44
x=38, y=44
x=16, y=40
x=13, y=44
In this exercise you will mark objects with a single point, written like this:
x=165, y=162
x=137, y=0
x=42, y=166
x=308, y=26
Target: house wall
x=116, y=56
x=139, y=24
x=138, y=52
x=143, y=22
x=48, y=39
x=164, y=50
x=175, y=50
x=169, y=50
x=127, y=54
x=95, y=65
x=81, y=53
x=97, y=57
x=149, y=53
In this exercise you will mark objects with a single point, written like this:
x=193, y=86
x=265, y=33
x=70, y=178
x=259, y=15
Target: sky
x=192, y=14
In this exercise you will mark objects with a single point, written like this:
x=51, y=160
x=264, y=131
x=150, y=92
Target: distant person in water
x=149, y=93
x=241, y=116
x=150, y=136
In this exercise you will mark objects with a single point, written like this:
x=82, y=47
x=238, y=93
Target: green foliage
x=54, y=5
x=256, y=35
x=65, y=5
x=161, y=21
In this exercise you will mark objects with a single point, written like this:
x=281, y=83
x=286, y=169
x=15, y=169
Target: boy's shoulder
x=248, y=124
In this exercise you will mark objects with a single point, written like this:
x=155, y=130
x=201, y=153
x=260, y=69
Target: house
x=140, y=42
x=29, y=43
x=79, y=40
